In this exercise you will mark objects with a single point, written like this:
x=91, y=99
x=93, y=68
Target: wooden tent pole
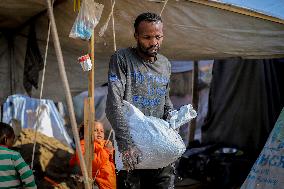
x=195, y=99
x=63, y=76
x=89, y=113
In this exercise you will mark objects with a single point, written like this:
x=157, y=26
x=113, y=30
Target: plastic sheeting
x=268, y=170
x=23, y=109
x=182, y=116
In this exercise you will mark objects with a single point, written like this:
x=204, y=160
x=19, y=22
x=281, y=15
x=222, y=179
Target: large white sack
x=159, y=143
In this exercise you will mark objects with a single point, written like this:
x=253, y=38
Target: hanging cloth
x=33, y=62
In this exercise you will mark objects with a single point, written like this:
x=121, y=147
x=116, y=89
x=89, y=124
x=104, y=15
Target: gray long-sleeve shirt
x=143, y=84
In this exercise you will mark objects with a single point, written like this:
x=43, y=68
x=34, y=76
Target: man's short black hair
x=6, y=131
x=147, y=16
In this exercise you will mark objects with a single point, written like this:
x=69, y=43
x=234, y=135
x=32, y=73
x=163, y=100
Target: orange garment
x=103, y=163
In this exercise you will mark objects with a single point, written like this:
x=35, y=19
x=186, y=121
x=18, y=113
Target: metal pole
x=67, y=92
x=195, y=99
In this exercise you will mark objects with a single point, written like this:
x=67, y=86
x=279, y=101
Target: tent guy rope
x=40, y=96
x=113, y=28
x=104, y=27
x=163, y=7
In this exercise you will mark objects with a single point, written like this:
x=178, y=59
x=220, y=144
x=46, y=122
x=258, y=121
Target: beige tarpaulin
x=192, y=31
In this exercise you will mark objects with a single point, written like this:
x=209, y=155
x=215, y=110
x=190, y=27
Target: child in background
x=14, y=172
x=103, y=164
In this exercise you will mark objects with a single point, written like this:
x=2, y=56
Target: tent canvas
x=193, y=30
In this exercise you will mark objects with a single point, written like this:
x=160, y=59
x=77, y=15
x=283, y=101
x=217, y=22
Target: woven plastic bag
x=87, y=19
x=159, y=143
x=268, y=170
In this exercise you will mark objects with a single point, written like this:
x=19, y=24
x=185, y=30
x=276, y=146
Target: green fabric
x=6, y=167
x=12, y=160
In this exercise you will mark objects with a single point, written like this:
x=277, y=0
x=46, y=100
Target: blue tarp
x=17, y=107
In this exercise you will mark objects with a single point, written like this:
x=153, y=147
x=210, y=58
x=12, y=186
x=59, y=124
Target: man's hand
x=131, y=158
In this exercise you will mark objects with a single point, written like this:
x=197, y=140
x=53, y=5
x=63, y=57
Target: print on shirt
x=156, y=86
x=113, y=77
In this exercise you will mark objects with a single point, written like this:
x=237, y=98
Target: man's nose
x=153, y=41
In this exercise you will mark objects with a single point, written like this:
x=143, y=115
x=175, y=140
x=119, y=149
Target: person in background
x=103, y=168
x=140, y=76
x=14, y=171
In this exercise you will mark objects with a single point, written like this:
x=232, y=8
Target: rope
x=111, y=131
x=45, y=57
x=40, y=96
x=163, y=7
x=77, y=5
x=113, y=28
x=104, y=27
x=101, y=33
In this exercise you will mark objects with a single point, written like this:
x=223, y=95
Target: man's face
x=149, y=37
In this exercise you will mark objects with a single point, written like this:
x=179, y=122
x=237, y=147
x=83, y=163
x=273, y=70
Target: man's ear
x=136, y=36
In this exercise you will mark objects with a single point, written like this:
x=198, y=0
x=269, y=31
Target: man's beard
x=146, y=52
